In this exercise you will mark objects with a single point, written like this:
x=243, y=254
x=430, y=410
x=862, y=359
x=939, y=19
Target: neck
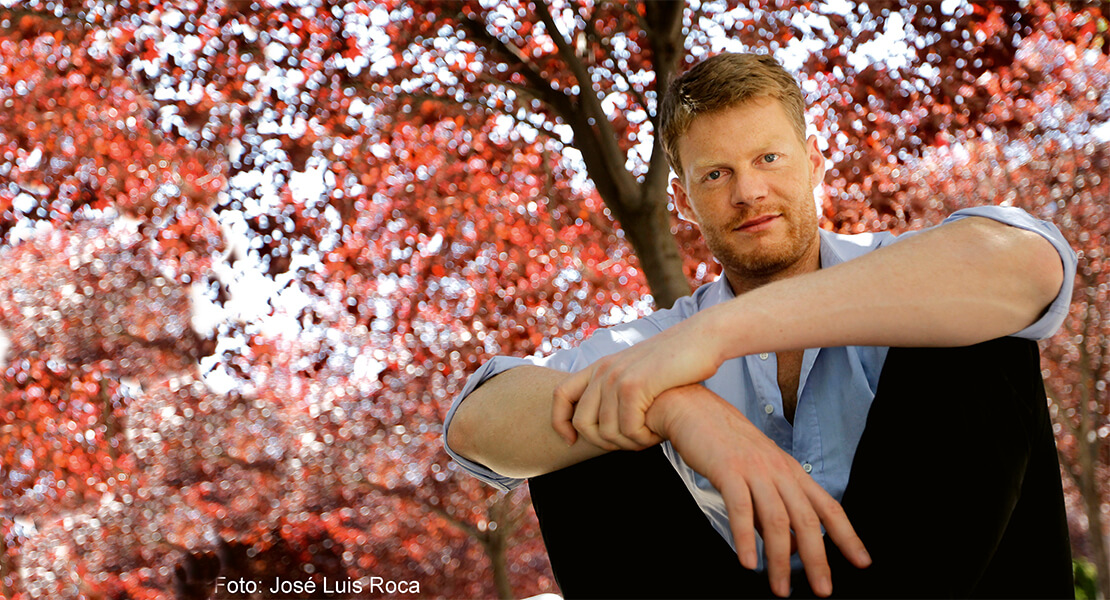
x=742, y=282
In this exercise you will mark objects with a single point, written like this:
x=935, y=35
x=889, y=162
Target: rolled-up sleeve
x=1056, y=312
x=492, y=367
x=1054, y=316
x=601, y=343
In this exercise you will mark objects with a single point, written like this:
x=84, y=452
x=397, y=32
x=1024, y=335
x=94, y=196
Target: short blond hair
x=721, y=82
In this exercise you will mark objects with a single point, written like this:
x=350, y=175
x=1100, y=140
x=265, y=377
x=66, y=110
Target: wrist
x=712, y=338
x=732, y=329
x=665, y=414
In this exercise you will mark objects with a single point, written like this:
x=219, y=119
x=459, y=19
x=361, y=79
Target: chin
x=762, y=263
x=765, y=268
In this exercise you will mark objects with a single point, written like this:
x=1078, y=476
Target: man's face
x=748, y=184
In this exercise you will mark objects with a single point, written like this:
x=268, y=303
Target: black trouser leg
x=955, y=487
x=955, y=490
x=623, y=525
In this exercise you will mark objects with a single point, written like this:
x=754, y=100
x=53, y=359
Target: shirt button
x=807, y=467
x=768, y=408
x=763, y=355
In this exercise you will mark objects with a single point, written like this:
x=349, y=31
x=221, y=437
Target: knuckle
x=743, y=505
x=560, y=414
x=561, y=394
x=609, y=444
x=628, y=444
x=741, y=510
x=778, y=520
x=833, y=510
x=782, y=463
x=744, y=537
x=739, y=501
x=736, y=464
x=807, y=520
x=630, y=424
x=627, y=386
x=818, y=572
x=823, y=502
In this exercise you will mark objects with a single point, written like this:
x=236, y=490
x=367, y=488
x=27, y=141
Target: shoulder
x=706, y=295
x=839, y=247
x=637, y=330
x=615, y=338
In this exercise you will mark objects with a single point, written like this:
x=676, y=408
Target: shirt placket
x=807, y=432
x=764, y=370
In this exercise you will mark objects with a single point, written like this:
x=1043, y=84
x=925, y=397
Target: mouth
x=757, y=223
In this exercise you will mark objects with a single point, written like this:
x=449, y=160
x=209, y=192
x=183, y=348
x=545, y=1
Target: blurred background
x=251, y=250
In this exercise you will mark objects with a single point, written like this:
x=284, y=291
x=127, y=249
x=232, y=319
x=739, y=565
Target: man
x=760, y=384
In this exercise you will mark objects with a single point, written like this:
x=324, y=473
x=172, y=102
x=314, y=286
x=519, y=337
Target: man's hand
x=607, y=401
x=763, y=487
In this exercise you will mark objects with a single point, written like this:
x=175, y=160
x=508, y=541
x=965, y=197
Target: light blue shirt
x=835, y=388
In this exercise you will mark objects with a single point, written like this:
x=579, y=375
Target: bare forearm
x=506, y=425
x=964, y=283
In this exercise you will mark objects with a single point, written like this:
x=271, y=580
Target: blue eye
x=713, y=175
x=770, y=157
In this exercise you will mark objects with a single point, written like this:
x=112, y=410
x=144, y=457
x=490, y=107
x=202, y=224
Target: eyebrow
x=709, y=165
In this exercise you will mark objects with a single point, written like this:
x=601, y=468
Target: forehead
x=746, y=126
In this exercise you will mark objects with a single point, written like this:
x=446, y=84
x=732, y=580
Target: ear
x=816, y=161
x=682, y=201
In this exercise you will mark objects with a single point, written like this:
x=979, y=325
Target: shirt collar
x=830, y=249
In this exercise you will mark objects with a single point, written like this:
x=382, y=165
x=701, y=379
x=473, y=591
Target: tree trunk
x=495, y=546
x=108, y=418
x=1087, y=448
x=1088, y=488
x=1082, y=472
x=5, y=568
x=1098, y=541
x=649, y=232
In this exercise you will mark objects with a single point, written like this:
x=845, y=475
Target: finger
x=775, y=526
x=564, y=398
x=838, y=526
x=645, y=439
x=585, y=418
x=741, y=517
x=810, y=542
x=632, y=414
x=608, y=423
x=614, y=397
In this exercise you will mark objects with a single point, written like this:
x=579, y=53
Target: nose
x=749, y=187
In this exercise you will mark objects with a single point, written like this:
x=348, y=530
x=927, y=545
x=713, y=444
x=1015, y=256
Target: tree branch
x=53, y=22
x=525, y=90
x=541, y=86
x=598, y=135
x=622, y=72
x=410, y=493
x=665, y=19
x=108, y=417
x=473, y=105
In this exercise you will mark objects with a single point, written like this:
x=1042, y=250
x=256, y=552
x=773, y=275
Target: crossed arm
x=963, y=283
x=959, y=284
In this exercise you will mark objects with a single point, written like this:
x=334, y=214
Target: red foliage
x=439, y=182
